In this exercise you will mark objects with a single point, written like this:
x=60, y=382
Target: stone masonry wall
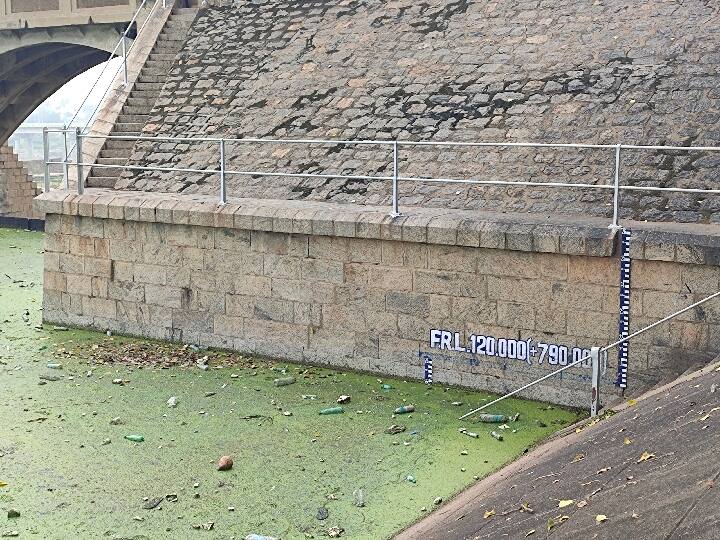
x=17, y=188
x=441, y=70
x=343, y=285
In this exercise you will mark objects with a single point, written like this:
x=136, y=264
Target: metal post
x=124, y=53
x=616, y=192
x=395, y=203
x=46, y=157
x=223, y=189
x=595, y=396
x=66, y=166
x=80, y=179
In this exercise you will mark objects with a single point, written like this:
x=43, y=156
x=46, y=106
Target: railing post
x=66, y=167
x=124, y=53
x=595, y=394
x=78, y=145
x=46, y=157
x=395, y=196
x=223, y=188
x=616, y=191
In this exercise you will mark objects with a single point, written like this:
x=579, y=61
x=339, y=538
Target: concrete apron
x=494, y=300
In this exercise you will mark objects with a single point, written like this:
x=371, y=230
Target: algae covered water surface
x=68, y=470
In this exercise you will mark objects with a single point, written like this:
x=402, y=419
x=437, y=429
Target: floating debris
x=332, y=410
x=173, y=401
x=405, y=409
x=496, y=435
x=284, y=381
x=135, y=438
x=343, y=399
x=395, y=429
x=225, y=463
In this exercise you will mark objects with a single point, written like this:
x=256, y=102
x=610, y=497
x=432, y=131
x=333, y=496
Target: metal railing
x=395, y=147
x=594, y=356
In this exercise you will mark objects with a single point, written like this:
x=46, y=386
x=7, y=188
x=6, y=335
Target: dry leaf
x=582, y=504
x=631, y=402
x=531, y=531
x=489, y=513
x=3, y=484
x=600, y=518
x=627, y=441
x=525, y=507
x=645, y=456
x=564, y=503
x=578, y=457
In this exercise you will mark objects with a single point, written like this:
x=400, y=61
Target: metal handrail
x=394, y=146
x=589, y=356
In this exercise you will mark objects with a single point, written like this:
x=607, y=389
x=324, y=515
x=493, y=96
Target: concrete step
x=148, y=86
x=163, y=57
x=106, y=171
x=132, y=109
x=107, y=182
x=155, y=64
x=125, y=118
x=137, y=102
x=142, y=79
x=119, y=144
x=111, y=161
x=129, y=127
x=107, y=152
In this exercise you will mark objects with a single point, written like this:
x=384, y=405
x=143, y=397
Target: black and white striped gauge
x=624, y=319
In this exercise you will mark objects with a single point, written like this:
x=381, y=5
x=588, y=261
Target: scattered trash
x=437, y=500
x=204, y=526
x=335, y=532
x=387, y=387
x=566, y=502
x=497, y=418
x=51, y=378
x=209, y=394
x=457, y=403
x=468, y=433
x=287, y=413
x=10, y=534
x=489, y=513
x=173, y=401
x=12, y=513
x=225, y=463
x=284, y=381
x=359, y=498
x=405, y=409
x=322, y=513
x=135, y=438
x=309, y=396
x=116, y=421
x=153, y=503
x=332, y=410
x=118, y=381
x=645, y=456
x=106, y=442
x=410, y=478
x=54, y=366
x=395, y=429
x=496, y=435
x=259, y=537
x=600, y=518
x=171, y=497
x=343, y=399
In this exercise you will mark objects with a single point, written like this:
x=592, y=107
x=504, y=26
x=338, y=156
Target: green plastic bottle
x=332, y=410
x=387, y=386
x=284, y=381
x=135, y=438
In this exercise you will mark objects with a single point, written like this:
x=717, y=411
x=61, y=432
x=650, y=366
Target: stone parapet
x=352, y=287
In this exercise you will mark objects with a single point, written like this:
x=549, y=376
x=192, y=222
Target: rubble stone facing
x=463, y=70
x=348, y=286
x=17, y=188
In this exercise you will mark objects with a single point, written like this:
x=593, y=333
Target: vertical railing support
x=395, y=195
x=595, y=393
x=78, y=145
x=223, y=187
x=616, y=190
x=124, y=53
x=66, y=166
x=46, y=158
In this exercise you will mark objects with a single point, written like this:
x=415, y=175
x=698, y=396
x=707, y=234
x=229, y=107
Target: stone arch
x=35, y=63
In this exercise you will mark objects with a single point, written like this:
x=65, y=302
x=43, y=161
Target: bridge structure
x=480, y=192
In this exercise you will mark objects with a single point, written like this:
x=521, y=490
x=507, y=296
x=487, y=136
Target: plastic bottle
x=135, y=438
x=332, y=410
x=496, y=435
x=405, y=409
x=284, y=381
x=387, y=386
x=493, y=418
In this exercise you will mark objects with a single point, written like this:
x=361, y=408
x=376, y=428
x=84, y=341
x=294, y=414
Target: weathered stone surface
x=458, y=71
x=371, y=303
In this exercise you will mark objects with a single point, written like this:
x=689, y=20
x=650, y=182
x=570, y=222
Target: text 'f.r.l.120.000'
x=527, y=350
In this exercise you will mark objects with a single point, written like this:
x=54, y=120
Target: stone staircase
x=17, y=188
x=137, y=107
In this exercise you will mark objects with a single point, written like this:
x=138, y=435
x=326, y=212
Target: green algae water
x=67, y=467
